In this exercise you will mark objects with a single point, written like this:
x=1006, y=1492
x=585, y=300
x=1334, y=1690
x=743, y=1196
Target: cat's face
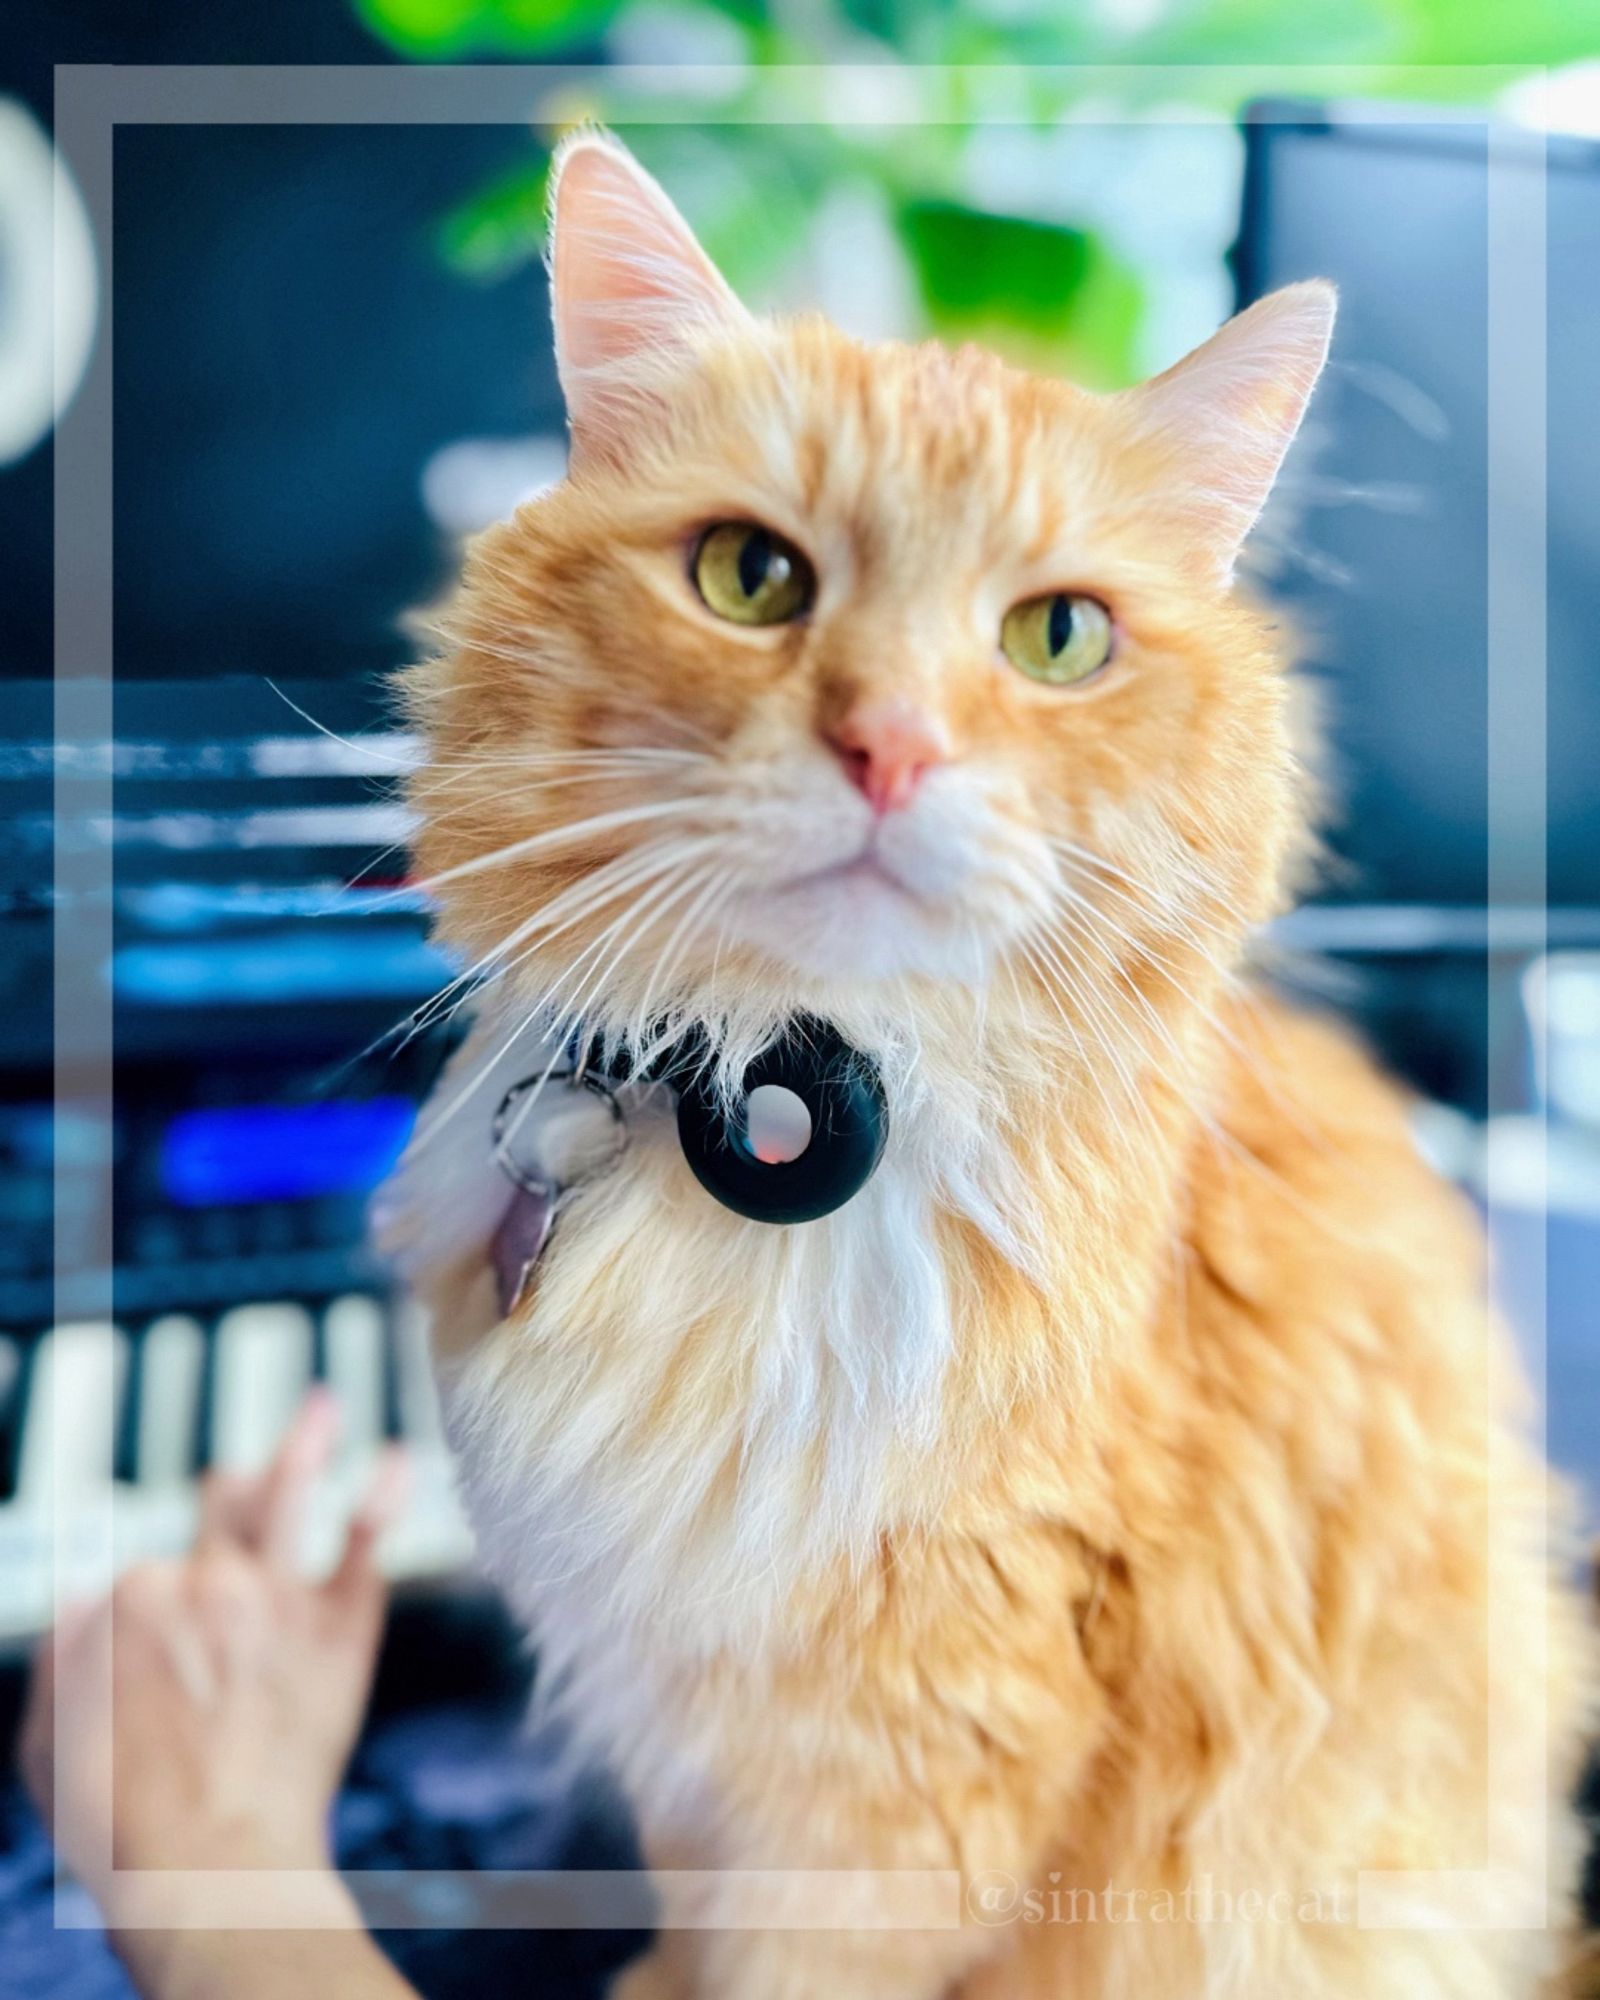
x=834, y=663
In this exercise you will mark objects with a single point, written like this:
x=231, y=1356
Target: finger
x=227, y=1600
x=286, y=1487
x=63, y=1643
x=68, y=1685
x=36, y=1736
x=192, y=1655
x=262, y=1511
x=227, y=1507
x=356, y=1579
x=72, y=1618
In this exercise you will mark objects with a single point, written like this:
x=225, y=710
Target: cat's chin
x=857, y=922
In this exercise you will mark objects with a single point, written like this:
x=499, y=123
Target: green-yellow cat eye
x=750, y=575
x=1058, y=639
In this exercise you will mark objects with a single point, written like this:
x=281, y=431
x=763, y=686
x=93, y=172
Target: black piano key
x=14, y=1370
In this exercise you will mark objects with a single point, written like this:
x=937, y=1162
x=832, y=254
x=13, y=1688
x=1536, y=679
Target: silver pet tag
x=549, y=1133
x=519, y=1242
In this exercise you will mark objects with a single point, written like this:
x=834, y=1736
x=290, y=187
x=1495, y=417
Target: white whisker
x=546, y=1006
x=556, y=836
x=584, y=897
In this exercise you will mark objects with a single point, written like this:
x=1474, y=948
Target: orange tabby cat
x=1098, y=1503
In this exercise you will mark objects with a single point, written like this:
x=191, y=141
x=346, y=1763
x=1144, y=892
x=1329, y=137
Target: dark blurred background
x=332, y=362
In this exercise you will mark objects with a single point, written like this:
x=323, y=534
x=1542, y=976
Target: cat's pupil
x=1060, y=627
x=759, y=562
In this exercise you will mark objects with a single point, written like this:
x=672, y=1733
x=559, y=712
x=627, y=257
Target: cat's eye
x=1058, y=639
x=752, y=576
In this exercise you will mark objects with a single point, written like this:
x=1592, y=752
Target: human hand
x=236, y=1686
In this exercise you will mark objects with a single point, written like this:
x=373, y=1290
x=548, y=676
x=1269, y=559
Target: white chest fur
x=694, y=1411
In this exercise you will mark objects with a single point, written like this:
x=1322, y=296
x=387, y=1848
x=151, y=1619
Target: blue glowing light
x=282, y=1152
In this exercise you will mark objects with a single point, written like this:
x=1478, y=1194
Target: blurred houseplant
x=1079, y=234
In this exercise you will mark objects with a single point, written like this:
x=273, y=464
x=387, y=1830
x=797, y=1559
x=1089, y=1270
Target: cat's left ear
x=1228, y=412
x=627, y=277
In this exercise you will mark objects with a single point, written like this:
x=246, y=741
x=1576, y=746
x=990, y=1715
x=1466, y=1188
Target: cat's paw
x=652, y=1977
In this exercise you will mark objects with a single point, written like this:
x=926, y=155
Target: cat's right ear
x=1228, y=412
x=627, y=279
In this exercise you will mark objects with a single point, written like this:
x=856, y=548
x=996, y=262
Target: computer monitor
x=1388, y=499
x=294, y=359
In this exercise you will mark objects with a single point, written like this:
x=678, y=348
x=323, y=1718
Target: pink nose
x=887, y=748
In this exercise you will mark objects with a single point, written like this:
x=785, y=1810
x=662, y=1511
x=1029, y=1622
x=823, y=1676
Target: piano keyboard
x=261, y=941
x=140, y=1412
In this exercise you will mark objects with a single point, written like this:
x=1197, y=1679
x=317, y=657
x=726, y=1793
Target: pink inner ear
x=1231, y=408
x=628, y=273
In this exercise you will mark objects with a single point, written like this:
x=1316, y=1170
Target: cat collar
x=804, y=1137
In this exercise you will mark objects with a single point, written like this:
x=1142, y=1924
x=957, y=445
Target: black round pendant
x=844, y=1097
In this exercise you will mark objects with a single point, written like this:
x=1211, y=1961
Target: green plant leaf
x=1516, y=33
x=445, y=30
x=501, y=227
x=1043, y=294
x=972, y=266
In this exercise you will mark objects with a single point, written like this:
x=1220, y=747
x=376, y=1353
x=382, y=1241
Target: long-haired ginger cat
x=1089, y=1522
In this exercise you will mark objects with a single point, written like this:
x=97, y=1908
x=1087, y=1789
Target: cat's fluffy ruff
x=1101, y=1496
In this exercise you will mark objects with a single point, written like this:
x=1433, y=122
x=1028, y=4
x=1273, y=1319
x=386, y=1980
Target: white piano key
x=261, y=1368
x=354, y=1342
x=421, y=1422
x=171, y=1372
x=74, y=1390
